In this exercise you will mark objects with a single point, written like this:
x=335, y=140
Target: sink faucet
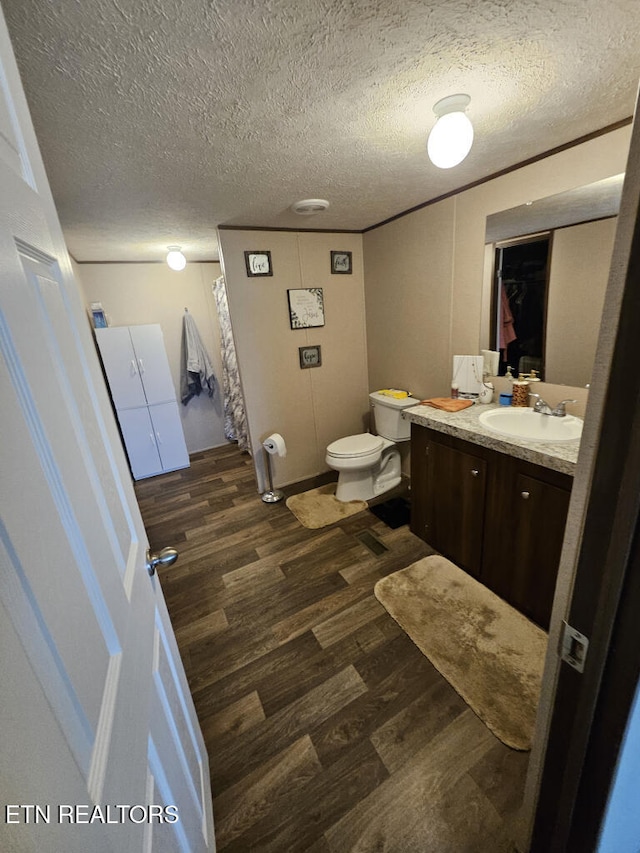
x=543, y=408
x=540, y=405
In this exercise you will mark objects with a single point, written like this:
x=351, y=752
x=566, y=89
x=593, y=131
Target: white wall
x=133, y=294
x=408, y=288
x=578, y=275
x=309, y=407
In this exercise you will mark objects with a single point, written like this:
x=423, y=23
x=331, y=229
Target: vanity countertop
x=559, y=456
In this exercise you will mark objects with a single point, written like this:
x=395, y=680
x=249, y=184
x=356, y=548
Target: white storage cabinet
x=135, y=362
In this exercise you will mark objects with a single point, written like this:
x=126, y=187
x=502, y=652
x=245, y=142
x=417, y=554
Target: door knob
x=166, y=557
x=525, y=495
x=474, y=472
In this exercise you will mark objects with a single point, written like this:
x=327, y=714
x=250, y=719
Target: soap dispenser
x=520, y=388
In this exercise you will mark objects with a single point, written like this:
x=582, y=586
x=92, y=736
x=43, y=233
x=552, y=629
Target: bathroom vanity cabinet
x=499, y=518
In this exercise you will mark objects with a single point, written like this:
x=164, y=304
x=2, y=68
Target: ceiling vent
x=310, y=206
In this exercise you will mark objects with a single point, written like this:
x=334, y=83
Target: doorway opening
x=519, y=304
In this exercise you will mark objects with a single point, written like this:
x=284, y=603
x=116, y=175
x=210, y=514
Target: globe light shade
x=451, y=137
x=176, y=259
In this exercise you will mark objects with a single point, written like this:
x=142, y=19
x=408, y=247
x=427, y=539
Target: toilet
x=369, y=465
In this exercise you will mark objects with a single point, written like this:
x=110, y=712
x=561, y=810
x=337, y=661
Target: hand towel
x=447, y=404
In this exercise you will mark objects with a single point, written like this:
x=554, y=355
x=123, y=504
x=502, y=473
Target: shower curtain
x=235, y=422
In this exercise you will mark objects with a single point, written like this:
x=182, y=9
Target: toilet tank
x=387, y=415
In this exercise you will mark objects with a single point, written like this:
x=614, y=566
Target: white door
x=100, y=748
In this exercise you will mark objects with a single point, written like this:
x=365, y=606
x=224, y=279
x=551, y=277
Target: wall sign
x=306, y=308
x=310, y=357
x=341, y=263
x=258, y=263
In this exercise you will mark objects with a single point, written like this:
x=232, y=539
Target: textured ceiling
x=159, y=120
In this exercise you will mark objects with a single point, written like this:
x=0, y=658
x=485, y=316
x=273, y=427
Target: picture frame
x=306, y=307
x=341, y=263
x=310, y=357
x=258, y=263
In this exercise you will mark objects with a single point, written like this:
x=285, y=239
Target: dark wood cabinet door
x=419, y=442
x=500, y=518
x=540, y=514
x=455, y=498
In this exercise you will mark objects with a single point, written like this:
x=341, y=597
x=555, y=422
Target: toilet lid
x=355, y=445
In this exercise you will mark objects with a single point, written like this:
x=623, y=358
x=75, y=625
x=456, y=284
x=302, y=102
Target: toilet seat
x=355, y=446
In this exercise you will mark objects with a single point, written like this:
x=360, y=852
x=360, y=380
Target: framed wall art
x=258, y=263
x=310, y=357
x=306, y=308
x=341, y=263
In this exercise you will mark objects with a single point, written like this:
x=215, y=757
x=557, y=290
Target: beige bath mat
x=490, y=653
x=320, y=507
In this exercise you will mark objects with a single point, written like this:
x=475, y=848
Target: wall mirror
x=566, y=292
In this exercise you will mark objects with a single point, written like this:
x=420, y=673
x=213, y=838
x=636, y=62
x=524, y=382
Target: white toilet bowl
x=368, y=465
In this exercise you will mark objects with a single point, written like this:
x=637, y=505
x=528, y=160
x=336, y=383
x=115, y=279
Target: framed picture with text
x=341, y=263
x=258, y=263
x=310, y=357
x=306, y=307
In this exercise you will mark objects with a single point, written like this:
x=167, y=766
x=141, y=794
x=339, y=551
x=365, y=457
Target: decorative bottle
x=486, y=393
x=520, y=390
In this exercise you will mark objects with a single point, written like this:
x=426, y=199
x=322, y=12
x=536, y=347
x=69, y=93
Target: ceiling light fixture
x=175, y=258
x=310, y=206
x=451, y=137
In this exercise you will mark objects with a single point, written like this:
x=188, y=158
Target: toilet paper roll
x=275, y=445
x=491, y=361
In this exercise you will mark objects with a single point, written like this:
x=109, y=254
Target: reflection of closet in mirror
x=582, y=222
x=519, y=304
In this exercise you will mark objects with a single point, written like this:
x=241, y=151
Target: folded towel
x=447, y=404
x=393, y=392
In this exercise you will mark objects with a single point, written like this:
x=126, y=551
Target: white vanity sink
x=525, y=423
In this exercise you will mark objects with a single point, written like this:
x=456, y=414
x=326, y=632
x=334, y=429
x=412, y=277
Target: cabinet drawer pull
x=525, y=495
x=474, y=472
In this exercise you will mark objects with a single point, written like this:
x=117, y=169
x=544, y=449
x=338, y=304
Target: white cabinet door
x=95, y=708
x=121, y=367
x=153, y=363
x=154, y=439
x=169, y=436
x=140, y=441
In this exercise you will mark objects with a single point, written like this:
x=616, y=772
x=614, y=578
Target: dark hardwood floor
x=327, y=729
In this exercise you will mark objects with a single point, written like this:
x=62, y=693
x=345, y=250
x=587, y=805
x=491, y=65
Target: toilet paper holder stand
x=271, y=496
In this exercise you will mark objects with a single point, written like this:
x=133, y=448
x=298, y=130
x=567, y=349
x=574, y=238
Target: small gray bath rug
x=490, y=653
x=320, y=507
